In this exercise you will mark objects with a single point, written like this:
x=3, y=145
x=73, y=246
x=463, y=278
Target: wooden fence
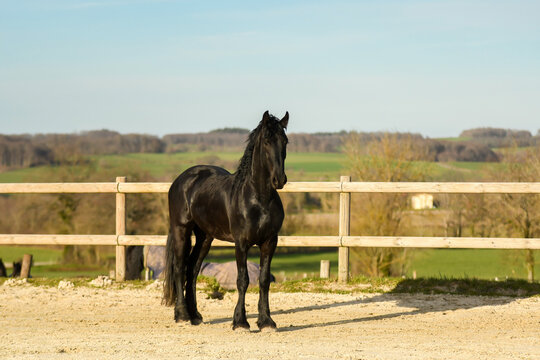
x=343, y=240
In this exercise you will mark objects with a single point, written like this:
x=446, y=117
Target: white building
x=422, y=201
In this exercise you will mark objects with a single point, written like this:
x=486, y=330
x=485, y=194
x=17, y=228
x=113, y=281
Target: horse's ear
x=266, y=117
x=285, y=121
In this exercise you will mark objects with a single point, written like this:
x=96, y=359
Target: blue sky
x=158, y=67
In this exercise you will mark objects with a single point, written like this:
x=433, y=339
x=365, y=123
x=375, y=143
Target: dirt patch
x=112, y=323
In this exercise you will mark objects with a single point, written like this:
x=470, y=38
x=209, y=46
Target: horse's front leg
x=242, y=282
x=267, y=252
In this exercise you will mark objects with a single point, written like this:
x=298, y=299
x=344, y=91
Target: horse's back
x=199, y=175
x=201, y=195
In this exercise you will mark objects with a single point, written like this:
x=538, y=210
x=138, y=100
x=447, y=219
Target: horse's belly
x=213, y=221
x=210, y=229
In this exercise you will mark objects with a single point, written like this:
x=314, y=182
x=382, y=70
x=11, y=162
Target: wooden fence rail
x=291, y=187
x=343, y=240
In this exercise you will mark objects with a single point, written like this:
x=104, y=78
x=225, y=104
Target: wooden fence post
x=120, y=230
x=26, y=266
x=344, y=230
x=325, y=269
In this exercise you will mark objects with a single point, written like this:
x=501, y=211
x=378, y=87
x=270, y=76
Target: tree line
x=20, y=151
x=497, y=138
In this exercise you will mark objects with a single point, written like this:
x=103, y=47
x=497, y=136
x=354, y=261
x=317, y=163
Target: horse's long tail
x=169, y=287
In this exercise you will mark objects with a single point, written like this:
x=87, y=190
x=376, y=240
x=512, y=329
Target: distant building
x=422, y=201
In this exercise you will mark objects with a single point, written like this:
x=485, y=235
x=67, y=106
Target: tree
x=388, y=158
x=521, y=212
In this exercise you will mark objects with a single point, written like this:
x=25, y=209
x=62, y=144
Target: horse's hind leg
x=182, y=235
x=199, y=252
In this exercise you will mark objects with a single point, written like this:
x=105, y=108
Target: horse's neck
x=254, y=175
x=258, y=178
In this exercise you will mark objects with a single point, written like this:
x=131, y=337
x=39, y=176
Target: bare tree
x=389, y=158
x=521, y=212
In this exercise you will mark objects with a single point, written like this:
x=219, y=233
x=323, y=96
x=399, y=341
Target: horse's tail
x=169, y=287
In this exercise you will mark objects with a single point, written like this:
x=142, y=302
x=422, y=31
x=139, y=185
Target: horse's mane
x=244, y=167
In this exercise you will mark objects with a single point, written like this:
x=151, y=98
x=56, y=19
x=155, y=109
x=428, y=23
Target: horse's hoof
x=181, y=316
x=267, y=325
x=196, y=321
x=241, y=327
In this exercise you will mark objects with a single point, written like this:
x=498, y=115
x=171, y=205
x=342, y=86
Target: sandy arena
x=106, y=323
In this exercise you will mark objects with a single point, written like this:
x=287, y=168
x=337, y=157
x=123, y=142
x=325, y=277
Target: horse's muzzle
x=279, y=182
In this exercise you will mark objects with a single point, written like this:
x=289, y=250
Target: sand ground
x=130, y=323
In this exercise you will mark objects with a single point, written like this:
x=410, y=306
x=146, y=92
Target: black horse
x=243, y=208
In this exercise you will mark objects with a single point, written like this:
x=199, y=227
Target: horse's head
x=274, y=147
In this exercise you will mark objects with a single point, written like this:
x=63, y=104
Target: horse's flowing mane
x=244, y=167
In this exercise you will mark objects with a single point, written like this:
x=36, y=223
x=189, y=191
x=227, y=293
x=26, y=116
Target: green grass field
x=41, y=253
x=299, y=166
x=432, y=263
x=469, y=263
x=47, y=262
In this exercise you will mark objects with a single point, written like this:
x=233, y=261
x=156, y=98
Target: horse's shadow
x=413, y=304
